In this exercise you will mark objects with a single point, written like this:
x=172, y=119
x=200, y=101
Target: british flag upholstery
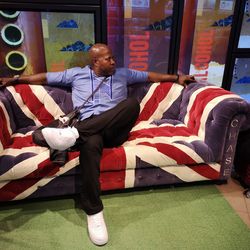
x=182, y=135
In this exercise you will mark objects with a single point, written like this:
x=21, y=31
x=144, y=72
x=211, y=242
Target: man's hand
x=7, y=81
x=184, y=80
x=37, y=79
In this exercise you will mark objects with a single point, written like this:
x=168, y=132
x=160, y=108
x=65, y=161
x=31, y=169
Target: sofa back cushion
x=207, y=110
x=36, y=105
x=157, y=100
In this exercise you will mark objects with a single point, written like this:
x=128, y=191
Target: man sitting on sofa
x=105, y=121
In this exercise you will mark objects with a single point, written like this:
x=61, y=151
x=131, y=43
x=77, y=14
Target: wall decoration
x=67, y=38
x=224, y=22
x=244, y=41
x=68, y=24
x=21, y=44
x=12, y=34
x=241, y=78
x=211, y=36
x=16, y=60
x=9, y=14
x=163, y=24
x=139, y=33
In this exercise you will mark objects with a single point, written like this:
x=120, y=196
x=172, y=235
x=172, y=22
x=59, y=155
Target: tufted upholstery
x=181, y=135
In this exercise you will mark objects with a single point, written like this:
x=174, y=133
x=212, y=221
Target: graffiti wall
x=67, y=38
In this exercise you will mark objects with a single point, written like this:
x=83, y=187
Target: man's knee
x=93, y=143
x=38, y=138
x=132, y=105
x=132, y=102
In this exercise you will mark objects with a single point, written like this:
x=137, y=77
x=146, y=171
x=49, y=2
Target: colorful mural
x=143, y=29
x=21, y=44
x=244, y=40
x=33, y=42
x=139, y=32
x=211, y=36
x=67, y=38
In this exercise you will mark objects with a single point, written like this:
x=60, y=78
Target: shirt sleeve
x=136, y=76
x=63, y=78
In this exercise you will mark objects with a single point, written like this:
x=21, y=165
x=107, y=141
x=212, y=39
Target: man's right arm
x=37, y=79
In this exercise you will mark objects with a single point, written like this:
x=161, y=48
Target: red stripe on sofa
x=201, y=101
x=173, y=152
x=34, y=104
x=16, y=187
x=5, y=136
x=167, y=131
x=112, y=180
x=157, y=96
x=22, y=142
x=113, y=159
x=206, y=171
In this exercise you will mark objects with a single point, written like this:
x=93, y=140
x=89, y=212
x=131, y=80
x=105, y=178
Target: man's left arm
x=180, y=79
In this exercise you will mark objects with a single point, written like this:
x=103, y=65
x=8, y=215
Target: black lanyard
x=93, y=92
x=98, y=86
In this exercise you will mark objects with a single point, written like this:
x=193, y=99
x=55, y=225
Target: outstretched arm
x=180, y=79
x=38, y=79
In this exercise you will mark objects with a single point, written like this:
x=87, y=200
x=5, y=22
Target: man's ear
x=95, y=61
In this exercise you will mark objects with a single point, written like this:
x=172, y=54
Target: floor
x=233, y=193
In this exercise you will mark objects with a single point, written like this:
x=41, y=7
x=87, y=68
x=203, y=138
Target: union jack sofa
x=182, y=135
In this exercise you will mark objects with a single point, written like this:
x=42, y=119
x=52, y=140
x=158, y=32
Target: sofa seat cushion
x=166, y=144
x=149, y=145
x=152, y=145
x=32, y=162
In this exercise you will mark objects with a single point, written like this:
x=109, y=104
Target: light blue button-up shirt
x=83, y=82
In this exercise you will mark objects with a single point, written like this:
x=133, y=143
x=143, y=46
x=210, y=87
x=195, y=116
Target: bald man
x=105, y=120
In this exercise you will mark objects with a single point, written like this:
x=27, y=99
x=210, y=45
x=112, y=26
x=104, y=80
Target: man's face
x=106, y=63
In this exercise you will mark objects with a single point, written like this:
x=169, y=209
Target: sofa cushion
x=206, y=110
x=157, y=100
x=7, y=124
x=35, y=105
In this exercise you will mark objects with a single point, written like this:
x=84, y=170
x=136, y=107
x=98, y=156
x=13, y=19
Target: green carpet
x=196, y=217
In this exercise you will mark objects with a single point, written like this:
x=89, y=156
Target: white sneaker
x=60, y=138
x=97, y=229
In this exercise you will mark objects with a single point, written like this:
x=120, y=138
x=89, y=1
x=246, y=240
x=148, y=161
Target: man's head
x=102, y=60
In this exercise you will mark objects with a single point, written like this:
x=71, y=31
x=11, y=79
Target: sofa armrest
x=7, y=124
x=36, y=105
x=211, y=112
